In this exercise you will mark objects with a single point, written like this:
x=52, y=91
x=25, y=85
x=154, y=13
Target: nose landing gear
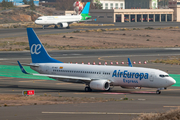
x=159, y=90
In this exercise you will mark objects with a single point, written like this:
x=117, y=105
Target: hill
x=15, y=15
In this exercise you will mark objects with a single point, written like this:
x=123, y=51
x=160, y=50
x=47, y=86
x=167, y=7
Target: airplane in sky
x=64, y=20
x=96, y=77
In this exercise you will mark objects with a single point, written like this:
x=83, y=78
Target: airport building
x=139, y=14
x=128, y=4
x=20, y=2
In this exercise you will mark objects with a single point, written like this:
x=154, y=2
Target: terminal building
x=20, y=2
x=136, y=11
x=128, y=4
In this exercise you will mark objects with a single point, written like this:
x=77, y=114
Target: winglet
x=129, y=62
x=22, y=69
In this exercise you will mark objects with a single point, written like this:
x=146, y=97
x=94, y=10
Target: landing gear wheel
x=88, y=89
x=68, y=27
x=158, y=92
x=55, y=26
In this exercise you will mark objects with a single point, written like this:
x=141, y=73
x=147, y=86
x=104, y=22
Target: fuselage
x=55, y=20
x=118, y=75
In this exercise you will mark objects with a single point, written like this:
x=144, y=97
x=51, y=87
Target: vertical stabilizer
x=37, y=50
x=86, y=8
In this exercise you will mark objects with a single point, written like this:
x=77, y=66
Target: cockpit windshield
x=39, y=19
x=163, y=75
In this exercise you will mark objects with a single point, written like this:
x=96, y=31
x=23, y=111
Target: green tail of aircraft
x=85, y=12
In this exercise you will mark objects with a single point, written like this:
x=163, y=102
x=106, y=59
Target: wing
x=59, y=77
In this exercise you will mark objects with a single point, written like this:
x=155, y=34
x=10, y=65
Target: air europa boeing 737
x=96, y=77
x=65, y=20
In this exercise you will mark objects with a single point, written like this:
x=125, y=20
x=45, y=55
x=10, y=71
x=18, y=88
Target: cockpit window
x=163, y=75
x=39, y=19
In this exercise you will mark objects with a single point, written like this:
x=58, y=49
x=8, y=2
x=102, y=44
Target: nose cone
x=171, y=81
x=35, y=21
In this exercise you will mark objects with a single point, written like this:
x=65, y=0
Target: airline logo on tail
x=35, y=49
x=38, y=52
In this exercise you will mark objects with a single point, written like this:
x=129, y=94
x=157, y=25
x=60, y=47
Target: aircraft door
x=47, y=69
x=151, y=80
x=151, y=77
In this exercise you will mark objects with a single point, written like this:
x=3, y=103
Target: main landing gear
x=88, y=89
x=158, y=92
x=55, y=26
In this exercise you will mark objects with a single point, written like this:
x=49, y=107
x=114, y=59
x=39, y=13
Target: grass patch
x=149, y=28
x=169, y=115
x=20, y=43
x=16, y=100
x=173, y=61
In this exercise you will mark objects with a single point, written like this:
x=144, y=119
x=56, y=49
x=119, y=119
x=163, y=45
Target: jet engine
x=100, y=85
x=64, y=25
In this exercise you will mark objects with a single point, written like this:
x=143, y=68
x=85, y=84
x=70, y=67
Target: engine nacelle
x=64, y=25
x=100, y=84
x=131, y=87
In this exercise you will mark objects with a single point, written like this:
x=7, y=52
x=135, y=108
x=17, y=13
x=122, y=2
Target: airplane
x=65, y=20
x=96, y=77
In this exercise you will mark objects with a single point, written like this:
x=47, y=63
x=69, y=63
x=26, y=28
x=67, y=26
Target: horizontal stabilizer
x=25, y=64
x=22, y=69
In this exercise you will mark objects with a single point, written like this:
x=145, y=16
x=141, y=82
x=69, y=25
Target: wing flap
x=64, y=77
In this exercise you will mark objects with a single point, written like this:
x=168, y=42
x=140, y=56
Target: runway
x=79, y=56
x=139, y=101
x=20, y=32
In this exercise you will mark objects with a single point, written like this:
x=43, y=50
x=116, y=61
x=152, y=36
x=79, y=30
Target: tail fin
x=38, y=53
x=86, y=8
x=129, y=62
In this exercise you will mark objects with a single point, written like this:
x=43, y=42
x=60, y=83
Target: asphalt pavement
x=139, y=101
x=20, y=32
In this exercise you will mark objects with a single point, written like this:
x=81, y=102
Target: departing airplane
x=96, y=77
x=65, y=20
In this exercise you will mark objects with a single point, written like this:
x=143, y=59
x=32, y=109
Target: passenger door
x=151, y=77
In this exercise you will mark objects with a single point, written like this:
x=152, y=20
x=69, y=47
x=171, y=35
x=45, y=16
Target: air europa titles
x=126, y=74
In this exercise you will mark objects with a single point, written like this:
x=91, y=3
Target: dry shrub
x=168, y=61
x=173, y=114
x=112, y=29
x=108, y=24
x=176, y=27
x=117, y=29
x=99, y=30
x=106, y=29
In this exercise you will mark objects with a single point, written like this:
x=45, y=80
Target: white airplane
x=64, y=20
x=96, y=77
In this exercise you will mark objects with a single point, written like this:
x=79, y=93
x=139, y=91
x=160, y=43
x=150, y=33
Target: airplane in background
x=65, y=20
x=96, y=77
